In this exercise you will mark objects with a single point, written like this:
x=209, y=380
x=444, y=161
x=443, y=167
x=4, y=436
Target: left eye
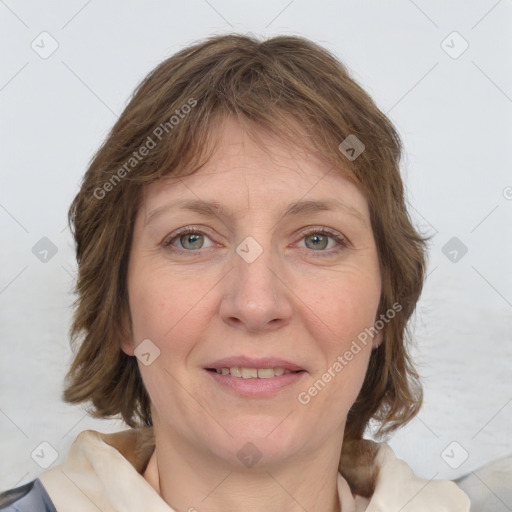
x=320, y=240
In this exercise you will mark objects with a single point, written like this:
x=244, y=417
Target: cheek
x=165, y=307
x=347, y=305
x=147, y=299
x=148, y=308
x=340, y=315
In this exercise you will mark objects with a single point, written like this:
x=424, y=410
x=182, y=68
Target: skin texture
x=297, y=301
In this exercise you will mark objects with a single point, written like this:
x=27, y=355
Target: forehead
x=257, y=173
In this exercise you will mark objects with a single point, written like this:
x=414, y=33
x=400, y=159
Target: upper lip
x=248, y=362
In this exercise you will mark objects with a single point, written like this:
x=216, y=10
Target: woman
x=247, y=268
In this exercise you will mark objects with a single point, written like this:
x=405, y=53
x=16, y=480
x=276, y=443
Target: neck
x=188, y=480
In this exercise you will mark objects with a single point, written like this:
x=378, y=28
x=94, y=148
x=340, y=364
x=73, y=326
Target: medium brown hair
x=287, y=86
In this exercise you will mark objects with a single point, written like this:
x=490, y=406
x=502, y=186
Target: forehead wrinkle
x=214, y=208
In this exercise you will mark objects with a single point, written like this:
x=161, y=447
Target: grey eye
x=318, y=241
x=192, y=241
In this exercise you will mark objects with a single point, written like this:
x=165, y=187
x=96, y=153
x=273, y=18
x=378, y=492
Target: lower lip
x=256, y=387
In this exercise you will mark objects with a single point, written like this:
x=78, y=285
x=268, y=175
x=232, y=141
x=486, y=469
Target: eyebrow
x=215, y=208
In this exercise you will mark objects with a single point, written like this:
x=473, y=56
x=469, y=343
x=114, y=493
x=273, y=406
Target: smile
x=252, y=373
x=250, y=383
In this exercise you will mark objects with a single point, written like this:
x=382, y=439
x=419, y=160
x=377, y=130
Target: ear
x=126, y=338
x=127, y=347
x=377, y=340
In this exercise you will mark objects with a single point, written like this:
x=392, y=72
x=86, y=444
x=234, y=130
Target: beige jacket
x=104, y=472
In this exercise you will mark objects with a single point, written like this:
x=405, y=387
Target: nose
x=256, y=297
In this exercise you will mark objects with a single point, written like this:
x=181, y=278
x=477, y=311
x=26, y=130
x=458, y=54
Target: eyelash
x=342, y=241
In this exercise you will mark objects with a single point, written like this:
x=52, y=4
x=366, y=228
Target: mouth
x=252, y=373
x=254, y=383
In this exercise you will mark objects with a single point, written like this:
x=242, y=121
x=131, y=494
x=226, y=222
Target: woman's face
x=258, y=288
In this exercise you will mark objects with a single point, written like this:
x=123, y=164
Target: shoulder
x=416, y=493
x=388, y=483
x=31, y=497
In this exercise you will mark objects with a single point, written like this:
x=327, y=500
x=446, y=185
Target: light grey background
x=453, y=111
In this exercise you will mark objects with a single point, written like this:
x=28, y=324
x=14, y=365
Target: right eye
x=190, y=240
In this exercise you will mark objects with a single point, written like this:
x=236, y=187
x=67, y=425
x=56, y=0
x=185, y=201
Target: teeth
x=235, y=371
x=253, y=373
x=266, y=373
